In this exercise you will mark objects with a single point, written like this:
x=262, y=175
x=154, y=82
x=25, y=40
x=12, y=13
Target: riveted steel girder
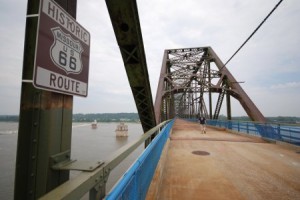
x=45, y=124
x=125, y=21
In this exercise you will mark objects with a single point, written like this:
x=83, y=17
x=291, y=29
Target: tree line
x=134, y=117
x=106, y=117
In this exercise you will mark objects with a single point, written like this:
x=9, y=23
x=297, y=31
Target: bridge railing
x=135, y=182
x=94, y=181
x=275, y=131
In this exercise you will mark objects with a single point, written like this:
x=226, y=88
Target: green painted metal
x=228, y=103
x=125, y=21
x=45, y=123
x=209, y=93
x=95, y=181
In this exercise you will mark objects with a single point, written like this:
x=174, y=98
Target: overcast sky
x=269, y=63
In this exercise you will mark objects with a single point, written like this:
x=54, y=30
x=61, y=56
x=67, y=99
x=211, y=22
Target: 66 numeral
x=63, y=60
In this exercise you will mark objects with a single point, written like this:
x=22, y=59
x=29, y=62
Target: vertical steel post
x=160, y=88
x=228, y=102
x=209, y=92
x=45, y=123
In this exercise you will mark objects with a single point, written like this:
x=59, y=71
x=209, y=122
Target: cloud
x=288, y=85
x=275, y=102
x=268, y=63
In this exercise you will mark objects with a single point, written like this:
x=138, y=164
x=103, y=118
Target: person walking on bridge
x=202, y=123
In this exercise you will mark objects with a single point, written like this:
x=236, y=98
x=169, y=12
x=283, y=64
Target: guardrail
x=135, y=182
x=274, y=131
x=94, y=181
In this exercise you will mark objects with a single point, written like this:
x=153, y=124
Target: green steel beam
x=45, y=123
x=125, y=21
x=228, y=103
x=209, y=92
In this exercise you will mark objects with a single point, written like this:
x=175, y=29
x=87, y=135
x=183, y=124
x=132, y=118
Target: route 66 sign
x=62, y=52
x=66, y=52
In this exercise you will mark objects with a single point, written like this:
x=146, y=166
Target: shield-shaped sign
x=65, y=52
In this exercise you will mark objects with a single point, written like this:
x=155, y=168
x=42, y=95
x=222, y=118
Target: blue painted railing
x=135, y=182
x=278, y=132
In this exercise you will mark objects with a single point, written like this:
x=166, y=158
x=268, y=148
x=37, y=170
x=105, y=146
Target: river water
x=87, y=145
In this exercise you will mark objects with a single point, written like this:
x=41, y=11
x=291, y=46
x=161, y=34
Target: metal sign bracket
x=62, y=161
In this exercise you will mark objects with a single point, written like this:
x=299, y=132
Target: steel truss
x=125, y=20
x=189, y=77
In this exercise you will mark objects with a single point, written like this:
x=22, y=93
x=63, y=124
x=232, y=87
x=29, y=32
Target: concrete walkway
x=220, y=165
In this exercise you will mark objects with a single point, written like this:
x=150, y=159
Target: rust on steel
x=126, y=25
x=45, y=121
x=190, y=78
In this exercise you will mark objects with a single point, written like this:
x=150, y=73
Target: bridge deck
x=236, y=167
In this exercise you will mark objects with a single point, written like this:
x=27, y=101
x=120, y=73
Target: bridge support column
x=228, y=102
x=209, y=93
x=45, y=122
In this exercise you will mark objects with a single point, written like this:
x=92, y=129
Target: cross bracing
x=187, y=81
